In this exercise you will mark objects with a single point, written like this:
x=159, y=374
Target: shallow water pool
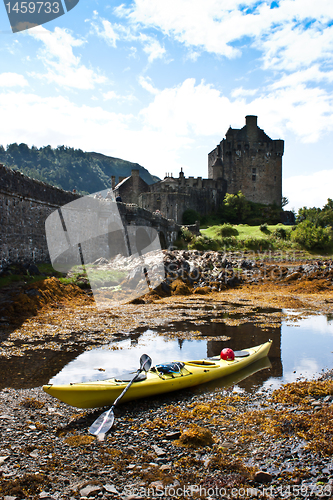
x=301, y=349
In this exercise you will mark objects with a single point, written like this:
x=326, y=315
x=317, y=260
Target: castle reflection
x=38, y=366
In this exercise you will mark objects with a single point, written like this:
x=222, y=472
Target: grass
x=77, y=276
x=15, y=277
x=245, y=237
x=244, y=231
x=249, y=238
x=96, y=277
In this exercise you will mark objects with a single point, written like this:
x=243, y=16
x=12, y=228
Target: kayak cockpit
x=202, y=362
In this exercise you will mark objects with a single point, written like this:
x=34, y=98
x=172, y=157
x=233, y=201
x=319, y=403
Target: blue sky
x=159, y=82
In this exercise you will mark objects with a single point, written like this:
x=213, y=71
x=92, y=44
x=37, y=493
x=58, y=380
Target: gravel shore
x=191, y=444
x=221, y=443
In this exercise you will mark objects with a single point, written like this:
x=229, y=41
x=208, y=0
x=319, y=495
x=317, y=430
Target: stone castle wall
x=25, y=204
x=173, y=196
x=250, y=162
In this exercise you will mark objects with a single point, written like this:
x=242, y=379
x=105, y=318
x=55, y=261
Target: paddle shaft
x=127, y=387
x=105, y=421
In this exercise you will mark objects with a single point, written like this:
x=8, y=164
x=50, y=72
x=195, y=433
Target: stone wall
x=25, y=204
x=249, y=161
x=174, y=195
x=130, y=188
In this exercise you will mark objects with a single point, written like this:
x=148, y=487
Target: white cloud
x=190, y=109
x=108, y=33
x=309, y=190
x=241, y=92
x=311, y=74
x=12, y=80
x=285, y=35
x=111, y=33
x=146, y=83
x=290, y=47
x=152, y=47
x=32, y=119
x=63, y=67
x=57, y=120
x=111, y=94
x=187, y=109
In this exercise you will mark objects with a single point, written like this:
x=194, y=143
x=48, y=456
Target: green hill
x=69, y=168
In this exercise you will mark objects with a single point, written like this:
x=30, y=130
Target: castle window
x=254, y=174
x=274, y=178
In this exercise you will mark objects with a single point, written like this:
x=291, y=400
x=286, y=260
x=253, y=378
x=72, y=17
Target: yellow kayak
x=156, y=381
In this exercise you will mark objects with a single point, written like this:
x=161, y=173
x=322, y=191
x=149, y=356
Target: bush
x=203, y=243
x=264, y=228
x=229, y=241
x=280, y=233
x=228, y=230
x=257, y=243
x=186, y=234
x=311, y=237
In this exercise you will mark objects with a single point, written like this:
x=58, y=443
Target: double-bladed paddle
x=105, y=421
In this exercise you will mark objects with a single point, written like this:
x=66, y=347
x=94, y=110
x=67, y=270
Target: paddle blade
x=145, y=362
x=103, y=423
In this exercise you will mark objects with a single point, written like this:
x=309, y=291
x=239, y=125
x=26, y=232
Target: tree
x=236, y=208
x=284, y=201
x=190, y=216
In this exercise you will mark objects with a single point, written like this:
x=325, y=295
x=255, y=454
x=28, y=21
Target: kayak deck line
x=100, y=393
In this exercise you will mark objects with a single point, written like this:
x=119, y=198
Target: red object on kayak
x=227, y=354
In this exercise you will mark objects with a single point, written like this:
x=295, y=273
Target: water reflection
x=300, y=349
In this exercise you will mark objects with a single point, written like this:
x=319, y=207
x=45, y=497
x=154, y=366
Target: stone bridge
x=136, y=216
x=25, y=204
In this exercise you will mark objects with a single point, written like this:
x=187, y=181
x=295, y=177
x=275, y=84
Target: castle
x=246, y=160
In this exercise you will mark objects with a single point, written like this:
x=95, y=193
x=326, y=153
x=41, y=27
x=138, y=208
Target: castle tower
x=249, y=161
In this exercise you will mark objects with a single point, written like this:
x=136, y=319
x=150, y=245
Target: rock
x=202, y=290
x=263, y=477
x=3, y=459
x=172, y=435
x=293, y=276
x=158, y=485
x=33, y=270
x=165, y=467
x=159, y=451
x=88, y=490
x=110, y=488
